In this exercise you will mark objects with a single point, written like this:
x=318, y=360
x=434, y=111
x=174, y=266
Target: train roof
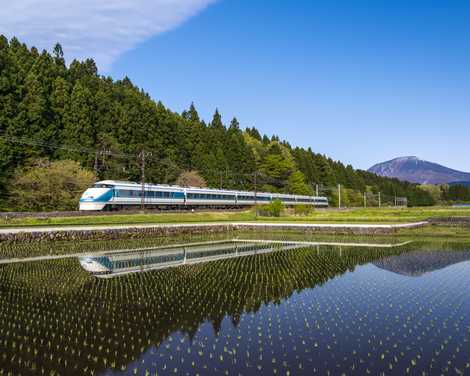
x=199, y=189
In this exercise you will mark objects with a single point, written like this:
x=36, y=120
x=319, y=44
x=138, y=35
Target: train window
x=103, y=186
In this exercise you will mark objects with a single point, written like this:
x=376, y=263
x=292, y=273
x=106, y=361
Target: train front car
x=97, y=197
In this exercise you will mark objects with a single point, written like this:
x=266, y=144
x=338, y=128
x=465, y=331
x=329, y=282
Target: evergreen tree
x=296, y=184
x=60, y=112
x=80, y=131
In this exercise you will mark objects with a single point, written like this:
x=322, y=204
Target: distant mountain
x=415, y=170
x=416, y=264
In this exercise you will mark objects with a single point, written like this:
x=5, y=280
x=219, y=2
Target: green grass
x=369, y=215
x=140, y=218
x=380, y=215
x=436, y=232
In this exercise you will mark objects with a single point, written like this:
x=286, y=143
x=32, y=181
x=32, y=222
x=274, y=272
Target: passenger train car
x=115, y=195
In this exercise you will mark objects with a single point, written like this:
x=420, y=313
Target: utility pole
x=104, y=153
x=339, y=196
x=316, y=190
x=256, y=194
x=95, y=167
x=143, y=155
x=380, y=200
x=365, y=199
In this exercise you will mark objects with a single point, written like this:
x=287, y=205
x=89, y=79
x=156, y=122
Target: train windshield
x=103, y=186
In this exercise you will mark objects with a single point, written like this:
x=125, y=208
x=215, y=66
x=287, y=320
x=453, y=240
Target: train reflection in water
x=124, y=262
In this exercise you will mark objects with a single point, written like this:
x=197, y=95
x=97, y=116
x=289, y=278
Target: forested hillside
x=49, y=110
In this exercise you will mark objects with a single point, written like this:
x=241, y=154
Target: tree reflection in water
x=271, y=312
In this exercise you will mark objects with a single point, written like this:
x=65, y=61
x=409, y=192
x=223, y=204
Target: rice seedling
x=321, y=311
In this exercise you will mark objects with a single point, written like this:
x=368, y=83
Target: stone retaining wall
x=320, y=230
x=460, y=221
x=162, y=230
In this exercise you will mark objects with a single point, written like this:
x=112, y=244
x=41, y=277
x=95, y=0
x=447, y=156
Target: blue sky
x=361, y=81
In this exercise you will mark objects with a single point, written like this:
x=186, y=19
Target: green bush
x=303, y=209
x=273, y=209
x=46, y=185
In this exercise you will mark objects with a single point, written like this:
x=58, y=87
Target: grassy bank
x=379, y=215
x=370, y=215
x=139, y=218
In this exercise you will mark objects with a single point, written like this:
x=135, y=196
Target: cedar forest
x=53, y=111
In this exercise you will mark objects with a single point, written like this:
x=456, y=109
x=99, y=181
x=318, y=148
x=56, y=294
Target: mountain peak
x=416, y=170
x=410, y=158
x=405, y=159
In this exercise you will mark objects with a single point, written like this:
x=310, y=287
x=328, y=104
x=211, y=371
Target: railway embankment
x=71, y=233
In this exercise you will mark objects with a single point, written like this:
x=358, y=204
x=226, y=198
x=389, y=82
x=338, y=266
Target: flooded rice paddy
x=285, y=308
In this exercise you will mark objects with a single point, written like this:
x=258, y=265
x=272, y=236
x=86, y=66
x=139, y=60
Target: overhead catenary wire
x=257, y=177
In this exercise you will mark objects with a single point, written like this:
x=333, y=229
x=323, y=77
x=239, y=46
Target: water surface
x=308, y=310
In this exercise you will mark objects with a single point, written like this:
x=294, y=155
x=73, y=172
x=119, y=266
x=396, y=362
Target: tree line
x=51, y=111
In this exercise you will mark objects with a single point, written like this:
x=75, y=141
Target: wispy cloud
x=103, y=29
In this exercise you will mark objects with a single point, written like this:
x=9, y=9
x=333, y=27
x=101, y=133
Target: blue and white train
x=116, y=195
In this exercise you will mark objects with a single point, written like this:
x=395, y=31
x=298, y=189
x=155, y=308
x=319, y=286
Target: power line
x=256, y=177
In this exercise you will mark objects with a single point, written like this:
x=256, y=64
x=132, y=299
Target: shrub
x=303, y=209
x=46, y=185
x=273, y=209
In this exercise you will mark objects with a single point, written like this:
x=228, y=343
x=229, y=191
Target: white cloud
x=102, y=29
